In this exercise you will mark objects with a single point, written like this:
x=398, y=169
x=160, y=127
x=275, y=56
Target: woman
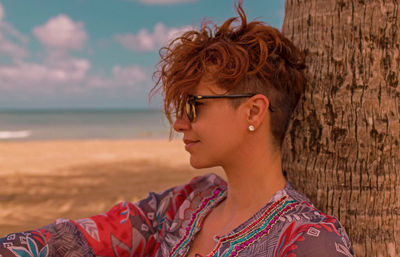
x=232, y=91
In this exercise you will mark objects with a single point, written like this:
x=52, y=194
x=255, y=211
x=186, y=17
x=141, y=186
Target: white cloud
x=1, y=12
x=146, y=41
x=130, y=75
x=165, y=2
x=73, y=80
x=8, y=29
x=11, y=49
x=61, y=32
x=58, y=75
x=24, y=74
x=11, y=41
x=122, y=76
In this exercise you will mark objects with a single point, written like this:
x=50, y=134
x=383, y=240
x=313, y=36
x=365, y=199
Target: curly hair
x=241, y=58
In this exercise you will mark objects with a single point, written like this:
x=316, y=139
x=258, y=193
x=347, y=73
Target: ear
x=257, y=110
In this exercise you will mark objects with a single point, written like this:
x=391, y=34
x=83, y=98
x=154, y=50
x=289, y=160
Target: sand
x=43, y=181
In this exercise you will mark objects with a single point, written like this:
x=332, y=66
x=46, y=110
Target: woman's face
x=218, y=131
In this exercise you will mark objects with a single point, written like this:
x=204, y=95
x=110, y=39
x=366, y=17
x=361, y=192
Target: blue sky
x=97, y=53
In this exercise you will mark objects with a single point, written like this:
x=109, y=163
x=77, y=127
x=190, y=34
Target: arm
x=30, y=243
x=126, y=228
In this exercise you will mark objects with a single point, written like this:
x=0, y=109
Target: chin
x=201, y=164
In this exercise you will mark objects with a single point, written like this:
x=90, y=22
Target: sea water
x=29, y=125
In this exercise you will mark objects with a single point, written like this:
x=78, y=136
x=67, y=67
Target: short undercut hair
x=241, y=57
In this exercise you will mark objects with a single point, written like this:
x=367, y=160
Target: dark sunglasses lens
x=190, y=111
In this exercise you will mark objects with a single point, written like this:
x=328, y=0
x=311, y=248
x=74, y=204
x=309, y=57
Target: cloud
x=165, y=2
x=9, y=48
x=122, y=76
x=8, y=29
x=62, y=32
x=25, y=75
x=1, y=12
x=145, y=41
x=71, y=78
x=60, y=78
x=59, y=35
x=129, y=75
x=12, y=42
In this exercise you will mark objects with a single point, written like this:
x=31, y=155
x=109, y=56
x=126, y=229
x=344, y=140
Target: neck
x=253, y=178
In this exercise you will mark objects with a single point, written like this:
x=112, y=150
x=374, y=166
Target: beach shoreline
x=73, y=179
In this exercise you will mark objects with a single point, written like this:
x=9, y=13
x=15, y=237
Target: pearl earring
x=251, y=128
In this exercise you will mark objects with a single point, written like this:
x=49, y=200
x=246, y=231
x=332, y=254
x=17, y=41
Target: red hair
x=241, y=58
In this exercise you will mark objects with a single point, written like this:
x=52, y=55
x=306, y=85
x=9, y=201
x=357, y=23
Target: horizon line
x=80, y=109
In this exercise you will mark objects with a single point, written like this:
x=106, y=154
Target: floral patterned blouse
x=165, y=224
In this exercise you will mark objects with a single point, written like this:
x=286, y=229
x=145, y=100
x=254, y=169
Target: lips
x=189, y=143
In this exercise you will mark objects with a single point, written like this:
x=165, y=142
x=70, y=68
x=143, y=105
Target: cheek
x=227, y=132
x=220, y=138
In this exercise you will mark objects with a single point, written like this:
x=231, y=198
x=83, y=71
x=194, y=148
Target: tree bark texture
x=343, y=146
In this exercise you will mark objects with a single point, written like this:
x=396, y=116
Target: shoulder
x=169, y=201
x=309, y=232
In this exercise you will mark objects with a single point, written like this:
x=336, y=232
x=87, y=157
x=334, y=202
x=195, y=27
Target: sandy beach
x=46, y=180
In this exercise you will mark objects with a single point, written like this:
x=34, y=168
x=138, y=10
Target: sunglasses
x=192, y=103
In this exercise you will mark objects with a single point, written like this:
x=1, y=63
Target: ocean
x=31, y=125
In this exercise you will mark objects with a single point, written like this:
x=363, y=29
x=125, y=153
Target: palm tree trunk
x=343, y=146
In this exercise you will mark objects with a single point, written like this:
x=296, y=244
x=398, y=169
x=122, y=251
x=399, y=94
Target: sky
x=89, y=54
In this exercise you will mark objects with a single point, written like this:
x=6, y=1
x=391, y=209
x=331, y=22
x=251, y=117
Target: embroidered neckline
x=197, y=218
x=257, y=229
x=242, y=238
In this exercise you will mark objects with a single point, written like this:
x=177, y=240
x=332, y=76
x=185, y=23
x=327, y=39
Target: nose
x=181, y=124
